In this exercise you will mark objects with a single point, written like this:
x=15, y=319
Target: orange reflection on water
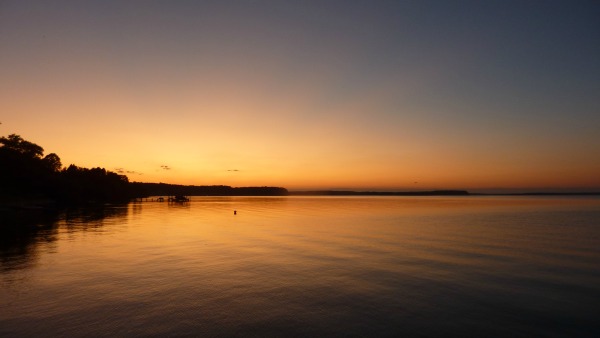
x=333, y=262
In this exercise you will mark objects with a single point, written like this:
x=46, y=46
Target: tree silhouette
x=15, y=143
x=52, y=162
x=21, y=168
x=26, y=175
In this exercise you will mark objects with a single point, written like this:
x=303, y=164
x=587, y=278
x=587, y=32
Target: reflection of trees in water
x=20, y=233
x=85, y=219
x=24, y=232
x=136, y=208
x=179, y=205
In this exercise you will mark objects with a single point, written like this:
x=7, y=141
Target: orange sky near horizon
x=306, y=96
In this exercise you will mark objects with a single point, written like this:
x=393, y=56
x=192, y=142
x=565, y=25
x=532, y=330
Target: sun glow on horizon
x=304, y=96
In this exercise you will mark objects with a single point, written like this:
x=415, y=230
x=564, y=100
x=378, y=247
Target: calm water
x=309, y=266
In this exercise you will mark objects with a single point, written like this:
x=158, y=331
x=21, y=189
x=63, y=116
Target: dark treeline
x=27, y=175
x=162, y=189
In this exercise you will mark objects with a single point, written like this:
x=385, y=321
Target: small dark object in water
x=235, y=212
x=179, y=199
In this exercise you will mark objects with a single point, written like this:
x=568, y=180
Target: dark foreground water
x=308, y=267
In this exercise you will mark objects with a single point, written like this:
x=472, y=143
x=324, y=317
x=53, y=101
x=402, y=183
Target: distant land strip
x=380, y=193
x=431, y=193
x=140, y=189
x=597, y=193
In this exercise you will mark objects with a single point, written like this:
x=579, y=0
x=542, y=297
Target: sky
x=384, y=95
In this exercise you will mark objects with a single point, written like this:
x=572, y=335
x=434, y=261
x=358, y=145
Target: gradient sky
x=310, y=94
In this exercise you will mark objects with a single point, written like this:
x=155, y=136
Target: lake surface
x=309, y=267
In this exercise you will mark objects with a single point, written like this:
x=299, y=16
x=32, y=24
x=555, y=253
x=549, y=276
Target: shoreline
x=431, y=193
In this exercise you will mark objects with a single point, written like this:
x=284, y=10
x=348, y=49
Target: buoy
x=235, y=212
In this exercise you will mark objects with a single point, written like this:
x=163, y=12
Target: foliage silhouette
x=52, y=162
x=163, y=189
x=17, y=144
x=27, y=176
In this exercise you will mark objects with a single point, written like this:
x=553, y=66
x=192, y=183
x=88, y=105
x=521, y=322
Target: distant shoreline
x=379, y=193
x=431, y=193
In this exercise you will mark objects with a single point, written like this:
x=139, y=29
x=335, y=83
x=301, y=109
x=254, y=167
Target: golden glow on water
x=309, y=266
